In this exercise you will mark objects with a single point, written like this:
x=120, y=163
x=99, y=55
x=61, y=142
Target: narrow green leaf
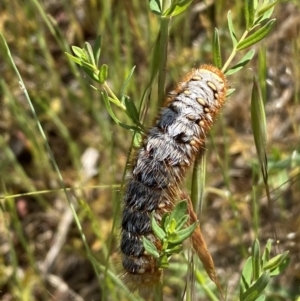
x=155, y=6
x=264, y=17
x=73, y=58
x=131, y=128
x=262, y=70
x=246, y=277
x=85, y=57
x=181, y=222
x=158, y=231
x=107, y=101
x=150, y=247
x=137, y=140
x=90, y=53
x=256, y=266
x=131, y=110
x=91, y=73
x=179, y=210
x=183, y=234
x=217, y=50
x=177, y=8
x=230, y=92
x=168, y=12
x=231, y=29
x=83, y=62
x=165, y=220
x=125, y=84
x=103, y=74
x=274, y=262
x=256, y=36
x=97, y=50
x=108, y=107
x=233, y=70
x=88, y=69
x=249, y=13
x=173, y=238
x=268, y=8
x=198, y=181
x=281, y=267
x=261, y=298
x=242, y=63
x=171, y=245
x=171, y=228
x=79, y=52
x=155, y=61
x=267, y=251
x=87, y=65
x=257, y=288
x=163, y=262
x=259, y=127
x=174, y=250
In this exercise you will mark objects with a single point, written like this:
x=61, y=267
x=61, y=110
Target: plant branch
x=234, y=51
x=163, y=48
x=113, y=97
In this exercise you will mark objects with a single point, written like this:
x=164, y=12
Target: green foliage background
x=35, y=214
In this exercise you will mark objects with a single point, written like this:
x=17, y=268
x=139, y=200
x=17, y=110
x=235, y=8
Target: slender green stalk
x=113, y=98
x=163, y=48
x=198, y=182
x=234, y=52
x=209, y=293
x=158, y=292
x=255, y=210
x=114, y=186
x=262, y=71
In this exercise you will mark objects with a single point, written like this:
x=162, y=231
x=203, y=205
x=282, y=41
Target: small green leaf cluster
x=258, y=271
x=171, y=233
x=175, y=7
x=258, y=26
x=257, y=16
x=88, y=58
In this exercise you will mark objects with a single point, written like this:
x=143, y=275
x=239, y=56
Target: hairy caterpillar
x=166, y=152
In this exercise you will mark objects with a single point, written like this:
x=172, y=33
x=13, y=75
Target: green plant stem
x=163, y=48
x=208, y=291
x=158, y=294
x=4, y=197
x=114, y=99
x=166, y=4
x=234, y=51
x=198, y=182
x=255, y=210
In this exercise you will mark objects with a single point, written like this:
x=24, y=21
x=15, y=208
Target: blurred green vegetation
x=43, y=256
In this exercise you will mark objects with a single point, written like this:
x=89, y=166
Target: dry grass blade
x=259, y=127
x=201, y=250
